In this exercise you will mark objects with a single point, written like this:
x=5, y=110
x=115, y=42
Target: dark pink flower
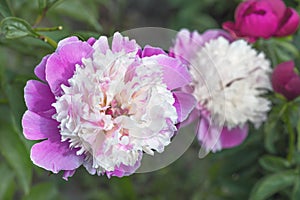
x=263, y=19
x=285, y=80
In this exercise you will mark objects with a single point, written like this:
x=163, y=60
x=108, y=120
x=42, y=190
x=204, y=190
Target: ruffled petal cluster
x=103, y=107
x=228, y=81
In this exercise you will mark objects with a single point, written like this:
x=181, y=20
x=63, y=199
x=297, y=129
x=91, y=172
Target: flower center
x=116, y=110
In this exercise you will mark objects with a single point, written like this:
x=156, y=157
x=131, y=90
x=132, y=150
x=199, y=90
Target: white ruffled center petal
x=116, y=107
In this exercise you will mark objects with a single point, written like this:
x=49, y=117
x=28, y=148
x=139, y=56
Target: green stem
x=3, y=101
x=40, y=17
x=298, y=135
x=291, y=140
x=56, y=28
x=48, y=40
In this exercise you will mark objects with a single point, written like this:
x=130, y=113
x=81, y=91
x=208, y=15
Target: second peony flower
x=229, y=78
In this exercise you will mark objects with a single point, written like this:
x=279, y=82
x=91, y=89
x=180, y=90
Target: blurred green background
x=229, y=174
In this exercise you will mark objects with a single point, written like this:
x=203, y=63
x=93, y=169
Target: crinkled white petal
x=229, y=79
x=116, y=107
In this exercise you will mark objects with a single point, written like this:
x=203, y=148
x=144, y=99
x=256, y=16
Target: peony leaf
x=13, y=27
x=272, y=128
x=298, y=134
x=45, y=191
x=271, y=135
x=88, y=12
x=288, y=46
x=7, y=185
x=296, y=189
x=272, y=184
x=5, y=10
x=15, y=152
x=42, y=4
x=273, y=163
x=47, y=4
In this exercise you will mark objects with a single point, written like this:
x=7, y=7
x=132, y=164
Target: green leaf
x=296, y=189
x=13, y=27
x=297, y=100
x=124, y=188
x=5, y=9
x=51, y=3
x=271, y=136
x=298, y=135
x=45, y=191
x=88, y=12
x=272, y=128
x=47, y=4
x=42, y=4
x=282, y=54
x=271, y=51
x=273, y=163
x=7, y=184
x=15, y=152
x=288, y=46
x=14, y=93
x=272, y=184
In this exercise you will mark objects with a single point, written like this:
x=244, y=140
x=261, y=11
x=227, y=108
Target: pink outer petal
x=120, y=43
x=289, y=23
x=175, y=74
x=213, y=138
x=38, y=97
x=124, y=170
x=36, y=127
x=193, y=116
x=61, y=64
x=186, y=45
x=68, y=40
x=151, y=51
x=233, y=137
x=68, y=173
x=215, y=33
x=40, y=69
x=91, y=41
x=54, y=155
x=208, y=136
x=101, y=45
x=184, y=104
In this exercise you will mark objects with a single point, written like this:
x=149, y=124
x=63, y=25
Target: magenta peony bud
x=286, y=81
x=263, y=19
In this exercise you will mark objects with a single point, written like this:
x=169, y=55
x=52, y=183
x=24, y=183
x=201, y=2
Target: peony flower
x=263, y=19
x=228, y=81
x=286, y=81
x=102, y=107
